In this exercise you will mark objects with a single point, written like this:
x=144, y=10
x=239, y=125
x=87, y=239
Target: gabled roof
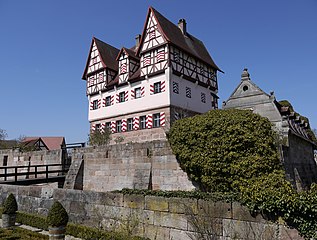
x=253, y=89
x=107, y=53
x=52, y=143
x=35, y=144
x=174, y=35
x=128, y=52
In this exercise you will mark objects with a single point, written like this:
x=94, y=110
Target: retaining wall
x=150, y=216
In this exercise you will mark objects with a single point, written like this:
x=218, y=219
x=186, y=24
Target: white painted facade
x=133, y=105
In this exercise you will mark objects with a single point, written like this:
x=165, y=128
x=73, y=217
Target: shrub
x=99, y=138
x=57, y=215
x=221, y=148
x=10, y=205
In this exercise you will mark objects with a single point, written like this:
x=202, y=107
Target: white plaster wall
x=132, y=105
x=194, y=103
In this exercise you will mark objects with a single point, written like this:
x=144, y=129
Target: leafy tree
x=99, y=137
x=222, y=148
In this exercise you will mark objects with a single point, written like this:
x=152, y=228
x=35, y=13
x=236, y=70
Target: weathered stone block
x=243, y=213
x=133, y=201
x=156, y=232
x=214, y=209
x=176, y=234
x=288, y=234
x=236, y=229
x=47, y=193
x=156, y=203
x=171, y=220
x=183, y=205
x=111, y=199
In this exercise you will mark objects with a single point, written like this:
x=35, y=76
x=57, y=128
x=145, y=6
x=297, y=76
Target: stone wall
x=299, y=162
x=150, y=216
x=17, y=158
x=149, y=165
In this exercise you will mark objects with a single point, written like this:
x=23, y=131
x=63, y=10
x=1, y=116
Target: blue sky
x=44, y=46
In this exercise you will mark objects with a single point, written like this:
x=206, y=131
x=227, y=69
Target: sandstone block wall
x=17, y=158
x=149, y=165
x=150, y=216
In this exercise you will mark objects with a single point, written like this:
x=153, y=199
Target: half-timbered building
x=139, y=91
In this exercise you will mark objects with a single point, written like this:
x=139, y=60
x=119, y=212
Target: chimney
x=182, y=26
x=137, y=41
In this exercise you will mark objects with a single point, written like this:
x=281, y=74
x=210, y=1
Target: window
x=175, y=88
x=203, y=97
x=156, y=120
x=122, y=97
x=176, y=57
x=91, y=81
x=5, y=161
x=98, y=126
x=137, y=92
x=188, y=92
x=95, y=105
x=157, y=87
x=108, y=101
x=100, y=77
x=108, y=126
x=160, y=56
x=142, y=122
x=202, y=71
x=118, y=126
x=130, y=124
x=147, y=60
x=152, y=34
x=123, y=68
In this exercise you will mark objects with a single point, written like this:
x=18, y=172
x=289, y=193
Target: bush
x=10, y=205
x=57, y=215
x=221, y=148
x=33, y=220
x=99, y=137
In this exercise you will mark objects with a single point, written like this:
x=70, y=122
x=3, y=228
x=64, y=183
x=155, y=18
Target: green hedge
x=72, y=229
x=227, y=197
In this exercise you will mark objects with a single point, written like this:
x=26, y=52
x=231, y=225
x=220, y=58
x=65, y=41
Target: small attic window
x=245, y=88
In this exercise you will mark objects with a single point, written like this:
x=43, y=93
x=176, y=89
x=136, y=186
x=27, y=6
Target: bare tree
x=3, y=134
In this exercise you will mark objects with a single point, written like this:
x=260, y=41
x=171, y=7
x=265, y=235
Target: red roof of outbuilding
x=52, y=143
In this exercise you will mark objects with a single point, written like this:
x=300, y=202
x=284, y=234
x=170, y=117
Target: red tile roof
x=52, y=143
x=107, y=53
x=174, y=35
